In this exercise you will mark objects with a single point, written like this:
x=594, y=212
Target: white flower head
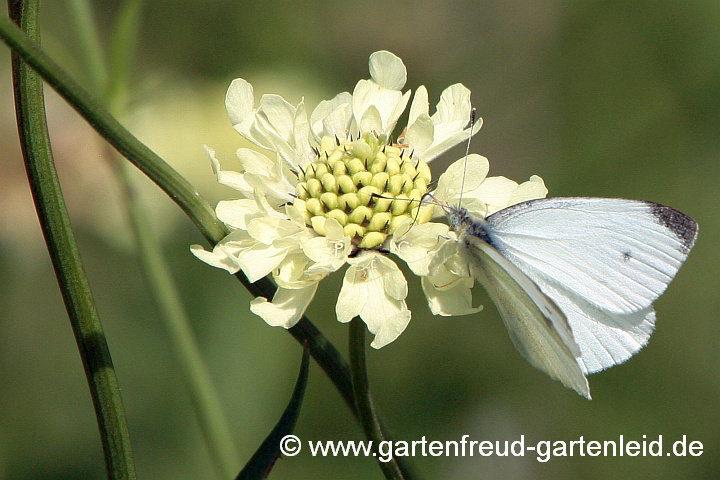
x=335, y=188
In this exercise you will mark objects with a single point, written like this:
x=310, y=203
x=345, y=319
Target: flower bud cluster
x=367, y=185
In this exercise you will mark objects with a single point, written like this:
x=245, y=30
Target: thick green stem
x=363, y=399
x=55, y=223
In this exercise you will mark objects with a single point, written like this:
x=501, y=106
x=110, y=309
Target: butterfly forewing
x=617, y=255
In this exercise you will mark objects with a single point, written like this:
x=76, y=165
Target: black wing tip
x=681, y=225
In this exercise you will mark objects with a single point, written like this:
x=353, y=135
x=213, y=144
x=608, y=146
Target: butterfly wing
x=602, y=261
x=618, y=255
x=536, y=325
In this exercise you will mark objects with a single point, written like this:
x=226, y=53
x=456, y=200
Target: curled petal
x=389, y=104
x=454, y=106
x=267, y=229
x=286, y=308
x=260, y=260
x=415, y=244
x=449, y=122
x=237, y=213
x=332, y=117
x=219, y=258
x=447, y=294
x=420, y=133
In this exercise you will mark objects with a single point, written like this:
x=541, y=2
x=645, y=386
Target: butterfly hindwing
x=536, y=325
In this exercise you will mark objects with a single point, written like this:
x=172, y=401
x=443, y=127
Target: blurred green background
x=600, y=98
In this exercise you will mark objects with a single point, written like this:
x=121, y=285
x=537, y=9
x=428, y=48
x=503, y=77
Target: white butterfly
x=574, y=279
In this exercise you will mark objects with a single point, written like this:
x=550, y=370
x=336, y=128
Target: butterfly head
x=458, y=218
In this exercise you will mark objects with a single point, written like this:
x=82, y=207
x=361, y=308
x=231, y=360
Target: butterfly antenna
x=467, y=153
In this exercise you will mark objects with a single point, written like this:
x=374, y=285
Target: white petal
x=219, y=258
x=454, y=105
x=331, y=250
x=392, y=119
x=416, y=244
x=454, y=299
x=387, y=70
x=301, y=137
x=287, y=307
x=450, y=120
x=337, y=123
x=333, y=229
x=420, y=104
x=391, y=328
x=275, y=190
x=269, y=229
x=420, y=134
x=339, y=108
x=450, y=183
x=495, y=192
x=280, y=115
x=389, y=104
x=253, y=161
x=232, y=179
x=239, y=104
x=371, y=120
x=239, y=101
x=532, y=189
x=294, y=213
x=444, y=141
x=371, y=289
x=260, y=260
x=291, y=270
x=237, y=213
x=352, y=297
x=395, y=284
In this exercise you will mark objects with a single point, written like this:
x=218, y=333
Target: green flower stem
x=363, y=399
x=206, y=403
x=170, y=181
x=55, y=223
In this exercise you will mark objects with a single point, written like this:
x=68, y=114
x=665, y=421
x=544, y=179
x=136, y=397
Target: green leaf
x=264, y=458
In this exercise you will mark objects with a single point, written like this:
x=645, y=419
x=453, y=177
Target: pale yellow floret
x=366, y=185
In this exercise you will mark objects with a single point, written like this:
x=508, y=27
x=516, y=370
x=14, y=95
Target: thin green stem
x=89, y=44
x=195, y=374
x=55, y=223
x=363, y=399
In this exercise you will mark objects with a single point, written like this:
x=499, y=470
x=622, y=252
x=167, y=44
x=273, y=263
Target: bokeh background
x=600, y=98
